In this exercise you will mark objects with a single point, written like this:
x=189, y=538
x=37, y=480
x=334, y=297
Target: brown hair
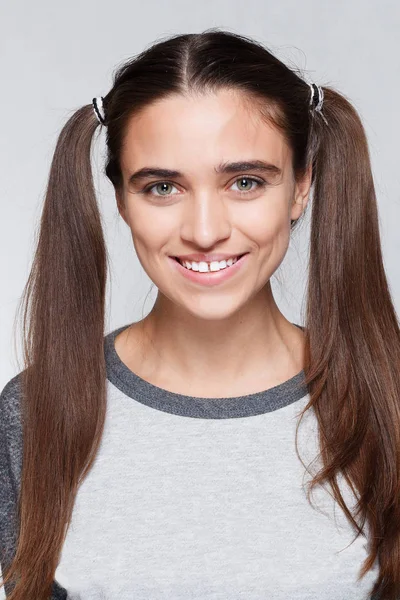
x=351, y=330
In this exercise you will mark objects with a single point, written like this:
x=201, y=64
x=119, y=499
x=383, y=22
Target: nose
x=206, y=220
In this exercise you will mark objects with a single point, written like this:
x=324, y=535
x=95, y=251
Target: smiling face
x=202, y=205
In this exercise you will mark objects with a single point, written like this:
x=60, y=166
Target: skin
x=230, y=339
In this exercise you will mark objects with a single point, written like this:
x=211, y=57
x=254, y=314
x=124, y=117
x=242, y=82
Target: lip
x=210, y=278
x=207, y=257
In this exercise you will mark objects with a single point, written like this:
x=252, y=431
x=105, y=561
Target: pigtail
x=64, y=394
x=353, y=338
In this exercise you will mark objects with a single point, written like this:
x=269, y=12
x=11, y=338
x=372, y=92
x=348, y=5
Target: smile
x=206, y=267
x=210, y=274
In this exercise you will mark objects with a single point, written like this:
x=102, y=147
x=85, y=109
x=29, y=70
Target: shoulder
x=10, y=411
x=11, y=431
x=10, y=399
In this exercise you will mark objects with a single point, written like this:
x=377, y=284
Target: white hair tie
x=317, y=98
x=98, y=109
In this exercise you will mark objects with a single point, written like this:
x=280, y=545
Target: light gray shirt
x=196, y=498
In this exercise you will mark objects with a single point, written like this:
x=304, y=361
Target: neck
x=251, y=350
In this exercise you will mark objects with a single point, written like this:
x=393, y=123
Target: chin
x=212, y=308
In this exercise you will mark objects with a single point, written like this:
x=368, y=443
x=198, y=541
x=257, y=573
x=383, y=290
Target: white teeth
x=204, y=267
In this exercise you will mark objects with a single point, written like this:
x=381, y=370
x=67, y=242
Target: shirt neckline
x=146, y=393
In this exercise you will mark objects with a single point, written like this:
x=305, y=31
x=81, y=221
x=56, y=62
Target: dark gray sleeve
x=10, y=476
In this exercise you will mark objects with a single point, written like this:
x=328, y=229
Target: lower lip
x=210, y=278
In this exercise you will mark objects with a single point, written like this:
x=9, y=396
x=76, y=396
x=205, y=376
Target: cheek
x=147, y=241
x=151, y=233
x=268, y=227
x=272, y=245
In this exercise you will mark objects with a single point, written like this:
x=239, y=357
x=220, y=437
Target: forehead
x=201, y=130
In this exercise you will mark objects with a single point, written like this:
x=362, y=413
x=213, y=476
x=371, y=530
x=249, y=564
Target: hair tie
x=98, y=109
x=317, y=99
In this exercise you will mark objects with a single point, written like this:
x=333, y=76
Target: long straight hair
x=352, y=359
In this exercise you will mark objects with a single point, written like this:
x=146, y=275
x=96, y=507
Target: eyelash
x=261, y=184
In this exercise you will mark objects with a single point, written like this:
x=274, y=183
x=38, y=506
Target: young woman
x=214, y=449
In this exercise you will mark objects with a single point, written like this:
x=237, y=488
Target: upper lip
x=208, y=257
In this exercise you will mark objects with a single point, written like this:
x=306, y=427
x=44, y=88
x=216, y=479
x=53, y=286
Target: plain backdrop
x=56, y=56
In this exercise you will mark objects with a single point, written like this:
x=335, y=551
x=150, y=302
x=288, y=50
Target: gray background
x=56, y=56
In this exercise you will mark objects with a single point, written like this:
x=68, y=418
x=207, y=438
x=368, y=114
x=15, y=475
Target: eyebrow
x=227, y=167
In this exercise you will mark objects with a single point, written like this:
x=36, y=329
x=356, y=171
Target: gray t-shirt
x=196, y=498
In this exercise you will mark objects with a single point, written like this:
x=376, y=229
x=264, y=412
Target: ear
x=301, y=194
x=120, y=204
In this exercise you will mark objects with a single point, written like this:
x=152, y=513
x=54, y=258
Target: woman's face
x=212, y=200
